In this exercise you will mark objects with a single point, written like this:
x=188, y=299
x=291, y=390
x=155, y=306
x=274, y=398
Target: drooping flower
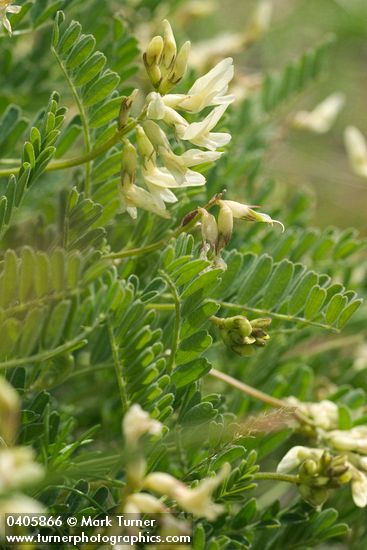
x=177, y=165
x=233, y=209
x=199, y=133
x=137, y=422
x=208, y=90
x=356, y=146
x=321, y=119
x=359, y=488
x=197, y=501
x=7, y=7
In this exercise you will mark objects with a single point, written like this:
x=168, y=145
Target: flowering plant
x=168, y=347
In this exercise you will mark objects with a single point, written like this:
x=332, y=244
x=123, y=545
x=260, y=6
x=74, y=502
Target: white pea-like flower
x=208, y=90
x=199, y=133
x=134, y=197
x=137, y=422
x=177, y=165
x=323, y=414
x=6, y=6
x=197, y=501
x=354, y=440
x=322, y=118
x=246, y=212
x=359, y=487
x=356, y=147
x=18, y=468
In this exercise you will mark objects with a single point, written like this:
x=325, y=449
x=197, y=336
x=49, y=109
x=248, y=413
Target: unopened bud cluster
x=241, y=335
x=164, y=65
x=343, y=458
x=319, y=472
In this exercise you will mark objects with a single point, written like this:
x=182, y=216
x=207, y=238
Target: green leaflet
x=37, y=153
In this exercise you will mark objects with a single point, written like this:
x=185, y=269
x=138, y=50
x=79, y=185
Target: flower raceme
x=163, y=169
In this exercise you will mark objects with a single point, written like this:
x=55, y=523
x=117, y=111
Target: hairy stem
x=275, y=476
x=258, y=395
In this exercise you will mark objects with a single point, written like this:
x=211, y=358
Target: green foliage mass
x=97, y=312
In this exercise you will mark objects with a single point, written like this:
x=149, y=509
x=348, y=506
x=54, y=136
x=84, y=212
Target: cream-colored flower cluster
x=348, y=449
x=197, y=501
x=17, y=465
x=163, y=171
x=6, y=6
x=319, y=472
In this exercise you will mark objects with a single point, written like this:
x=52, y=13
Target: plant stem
x=257, y=394
x=77, y=161
x=158, y=244
x=74, y=344
x=280, y=316
x=177, y=323
x=118, y=369
x=84, y=119
x=275, y=476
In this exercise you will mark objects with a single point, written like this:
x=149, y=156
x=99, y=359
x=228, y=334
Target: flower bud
x=145, y=146
x=245, y=212
x=154, y=73
x=128, y=164
x=180, y=66
x=9, y=411
x=154, y=51
x=209, y=228
x=225, y=225
x=125, y=109
x=169, y=45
